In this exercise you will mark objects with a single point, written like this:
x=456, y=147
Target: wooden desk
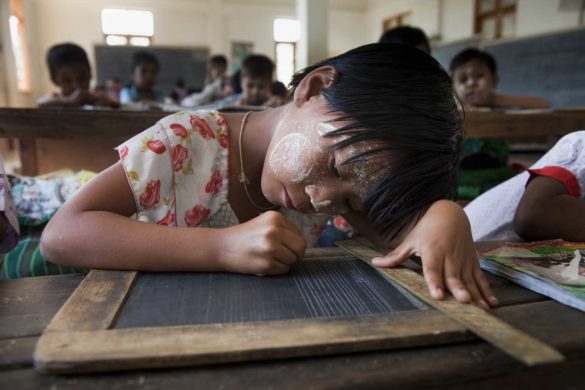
x=59, y=138
x=27, y=305
x=75, y=123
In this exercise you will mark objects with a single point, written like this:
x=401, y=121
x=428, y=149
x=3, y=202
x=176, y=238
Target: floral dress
x=178, y=172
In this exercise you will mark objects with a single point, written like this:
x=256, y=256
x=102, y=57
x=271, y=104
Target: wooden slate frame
x=80, y=337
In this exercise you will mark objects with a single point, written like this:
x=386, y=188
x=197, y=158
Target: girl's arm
x=93, y=230
x=442, y=239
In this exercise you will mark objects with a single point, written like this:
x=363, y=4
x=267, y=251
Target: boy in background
x=256, y=82
x=214, y=84
x=145, y=70
x=407, y=35
x=70, y=71
x=485, y=160
x=475, y=78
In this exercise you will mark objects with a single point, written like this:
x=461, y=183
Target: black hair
x=218, y=60
x=144, y=58
x=471, y=54
x=65, y=54
x=257, y=66
x=235, y=82
x=406, y=35
x=401, y=98
x=278, y=89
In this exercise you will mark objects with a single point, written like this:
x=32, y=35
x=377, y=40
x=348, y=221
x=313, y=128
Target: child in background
x=278, y=95
x=9, y=228
x=256, y=82
x=145, y=70
x=343, y=145
x=178, y=93
x=475, y=78
x=484, y=163
x=407, y=35
x=546, y=202
x=214, y=84
x=113, y=88
x=70, y=72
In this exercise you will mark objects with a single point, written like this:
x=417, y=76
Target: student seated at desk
x=485, y=160
x=249, y=192
x=546, y=202
x=256, y=82
x=71, y=73
x=214, y=84
x=145, y=70
x=475, y=78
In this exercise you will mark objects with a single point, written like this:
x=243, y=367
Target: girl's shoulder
x=209, y=124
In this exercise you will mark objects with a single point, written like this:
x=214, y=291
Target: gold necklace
x=243, y=178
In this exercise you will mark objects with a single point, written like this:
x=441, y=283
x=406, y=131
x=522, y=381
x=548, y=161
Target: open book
x=552, y=268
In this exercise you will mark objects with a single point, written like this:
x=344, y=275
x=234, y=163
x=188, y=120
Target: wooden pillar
x=313, y=16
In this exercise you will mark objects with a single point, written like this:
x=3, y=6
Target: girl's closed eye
x=333, y=166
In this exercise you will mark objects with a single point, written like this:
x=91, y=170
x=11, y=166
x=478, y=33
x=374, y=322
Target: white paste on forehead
x=325, y=128
x=292, y=156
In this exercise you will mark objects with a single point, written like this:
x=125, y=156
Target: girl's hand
x=442, y=239
x=266, y=245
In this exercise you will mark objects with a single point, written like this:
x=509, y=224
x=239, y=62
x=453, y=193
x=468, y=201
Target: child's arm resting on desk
x=93, y=230
x=442, y=239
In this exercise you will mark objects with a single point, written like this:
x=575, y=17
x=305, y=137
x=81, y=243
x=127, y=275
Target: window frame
x=497, y=14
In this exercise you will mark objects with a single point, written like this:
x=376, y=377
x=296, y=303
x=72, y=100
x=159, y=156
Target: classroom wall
x=452, y=20
x=209, y=23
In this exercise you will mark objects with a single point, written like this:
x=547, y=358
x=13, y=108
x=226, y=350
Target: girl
x=373, y=134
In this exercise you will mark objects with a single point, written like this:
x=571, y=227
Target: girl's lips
x=287, y=200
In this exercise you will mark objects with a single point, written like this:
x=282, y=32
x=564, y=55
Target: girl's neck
x=257, y=134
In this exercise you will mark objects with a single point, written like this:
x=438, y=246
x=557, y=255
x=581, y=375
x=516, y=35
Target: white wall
x=540, y=16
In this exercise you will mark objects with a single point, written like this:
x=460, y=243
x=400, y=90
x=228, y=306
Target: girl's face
x=301, y=171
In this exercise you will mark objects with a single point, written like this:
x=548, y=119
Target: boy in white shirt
x=545, y=202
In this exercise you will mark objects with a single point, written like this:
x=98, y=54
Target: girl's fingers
x=394, y=258
x=455, y=284
x=473, y=290
x=484, y=287
x=294, y=243
x=433, y=274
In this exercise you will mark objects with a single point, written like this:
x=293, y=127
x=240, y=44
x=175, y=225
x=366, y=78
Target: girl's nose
x=326, y=199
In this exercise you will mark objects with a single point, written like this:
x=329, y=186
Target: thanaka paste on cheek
x=292, y=156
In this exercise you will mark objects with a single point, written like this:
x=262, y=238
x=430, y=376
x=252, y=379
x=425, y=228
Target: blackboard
x=189, y=64
x=551, y=66
x=446, y=52
x=312, y=289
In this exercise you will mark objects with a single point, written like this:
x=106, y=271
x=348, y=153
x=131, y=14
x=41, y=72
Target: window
x=402, y=19
x=127, y=27
x=495, y=18
x=19, y=48
x=286, y=34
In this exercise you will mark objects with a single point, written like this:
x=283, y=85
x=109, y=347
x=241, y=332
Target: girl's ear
x=312, y=84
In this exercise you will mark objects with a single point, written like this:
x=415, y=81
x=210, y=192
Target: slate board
x=324, y=288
